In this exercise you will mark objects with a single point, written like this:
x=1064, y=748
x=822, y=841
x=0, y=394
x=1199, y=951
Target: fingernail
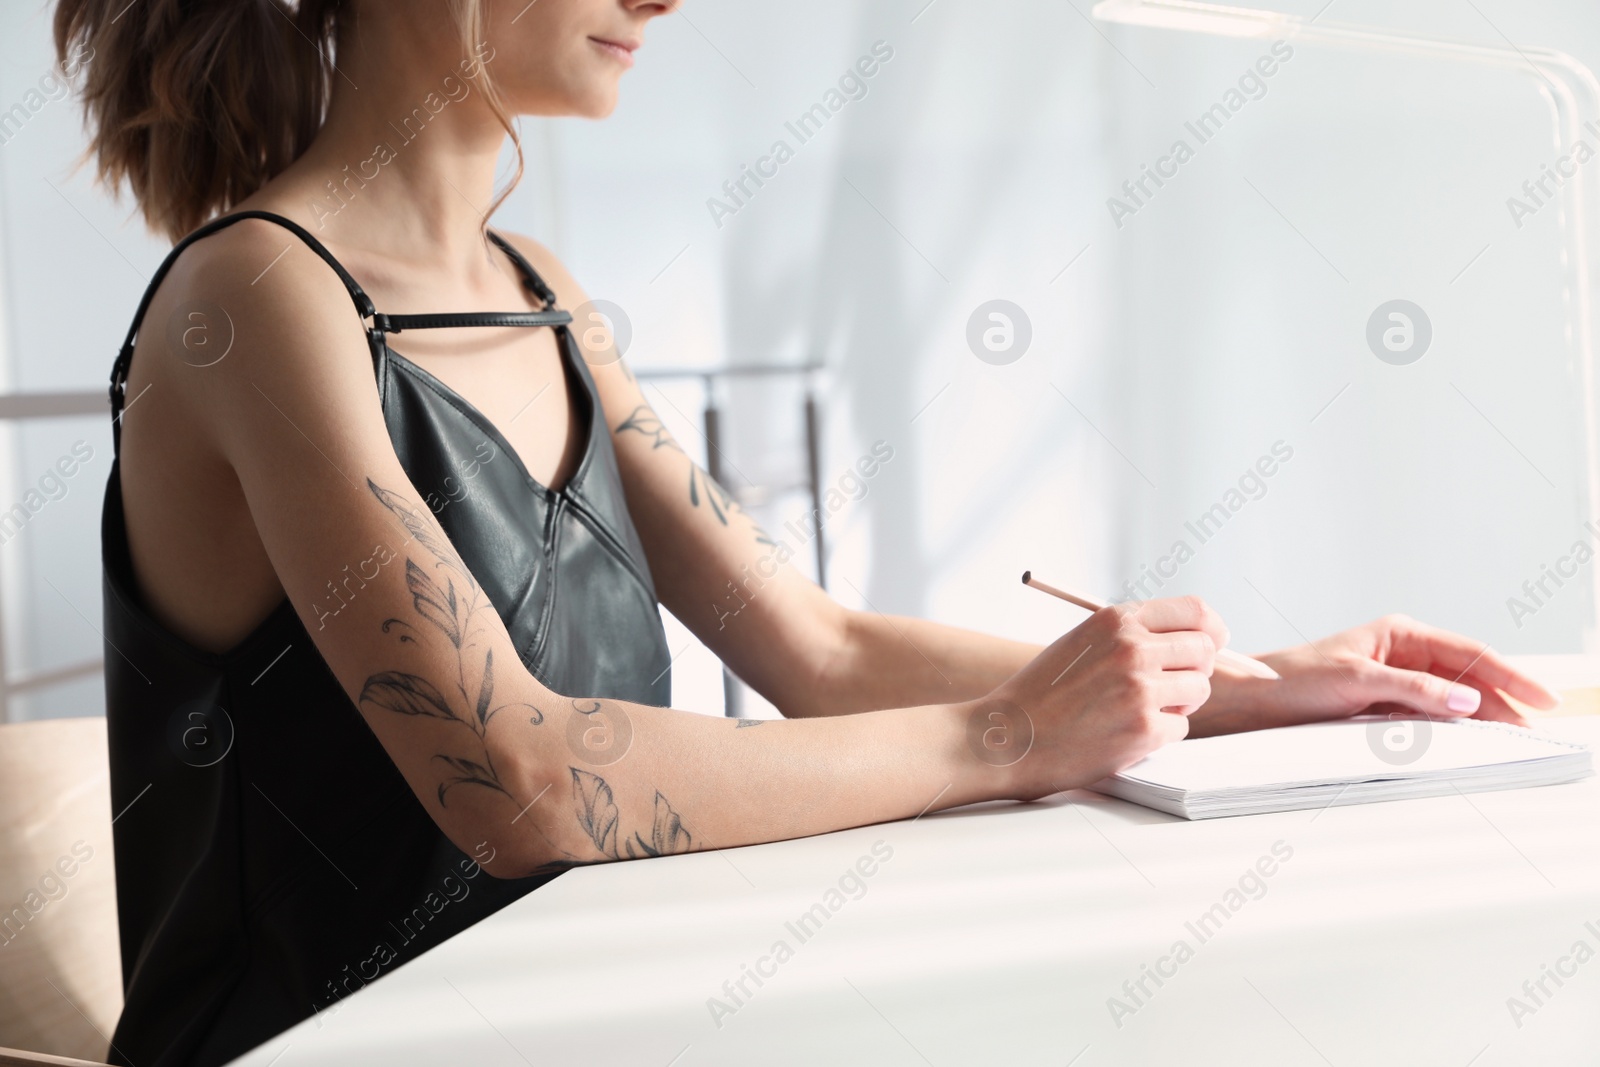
x=1463, y=698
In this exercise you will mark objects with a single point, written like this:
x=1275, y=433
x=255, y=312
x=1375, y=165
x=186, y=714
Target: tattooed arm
x=310, y=485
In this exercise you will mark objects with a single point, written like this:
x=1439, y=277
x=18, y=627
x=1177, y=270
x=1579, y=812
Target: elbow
x=529, y=830
x=832, y=642
x=520, y=851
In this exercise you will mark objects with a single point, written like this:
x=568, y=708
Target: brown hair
x=196, y=104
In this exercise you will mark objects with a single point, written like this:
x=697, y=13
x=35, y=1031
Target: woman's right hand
x=1100, y=698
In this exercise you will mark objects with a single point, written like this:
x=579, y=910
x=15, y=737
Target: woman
x=378, y=623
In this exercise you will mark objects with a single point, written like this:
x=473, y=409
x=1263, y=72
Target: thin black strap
x=530, y=277
x=119, y=369
x=396, y=323
x=550, y=315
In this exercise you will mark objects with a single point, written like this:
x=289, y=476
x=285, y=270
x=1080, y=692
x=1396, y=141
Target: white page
x=1334, y=752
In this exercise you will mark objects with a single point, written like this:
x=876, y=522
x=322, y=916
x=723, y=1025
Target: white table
x=997, y=934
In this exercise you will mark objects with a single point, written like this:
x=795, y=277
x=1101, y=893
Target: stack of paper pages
x=1354, y=761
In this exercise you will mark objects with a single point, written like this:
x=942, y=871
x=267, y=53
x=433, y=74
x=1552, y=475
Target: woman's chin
x=600, y=101
x=591, y=102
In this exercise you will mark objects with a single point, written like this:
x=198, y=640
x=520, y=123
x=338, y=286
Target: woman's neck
x=404, y=164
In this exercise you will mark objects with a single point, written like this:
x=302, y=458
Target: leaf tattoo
x=597, y=813
x=667, y=834
x=436, y=605
x=420, y=526
x=487, y=690
x=596, y=810
x=468, y=772
x=406, y=694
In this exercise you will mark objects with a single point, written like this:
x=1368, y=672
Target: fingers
x=1182, y=613
x=1427, y=693
x=1170, y=728
x=1181, y=691
x=1496, y=709
x=1168, y=667
x=1497, y=674
x=1456, y=654
x=1185, y=650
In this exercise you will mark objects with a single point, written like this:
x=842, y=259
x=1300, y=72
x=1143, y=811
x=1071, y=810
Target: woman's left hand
x=1393, y=665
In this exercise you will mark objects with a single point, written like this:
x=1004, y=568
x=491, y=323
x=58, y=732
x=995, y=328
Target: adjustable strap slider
x=119, y=376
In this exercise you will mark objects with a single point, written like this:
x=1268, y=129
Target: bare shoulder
x=248, y=305
x=254, y=259
x=263, y=277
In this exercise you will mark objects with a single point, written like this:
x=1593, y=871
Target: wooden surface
x=10, y=1057
x=60, y=966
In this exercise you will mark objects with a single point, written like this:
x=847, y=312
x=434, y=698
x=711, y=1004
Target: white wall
x=1171, y=354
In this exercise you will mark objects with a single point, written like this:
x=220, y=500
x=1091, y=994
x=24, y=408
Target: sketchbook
x=1353, y=761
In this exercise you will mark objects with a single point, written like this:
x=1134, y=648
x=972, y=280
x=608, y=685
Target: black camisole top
x=270, y=858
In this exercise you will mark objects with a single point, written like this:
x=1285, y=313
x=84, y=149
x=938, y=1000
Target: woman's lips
x=622, y=53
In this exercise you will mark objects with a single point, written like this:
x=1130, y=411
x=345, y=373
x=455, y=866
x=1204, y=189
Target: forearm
x=657, y=781
x=886, y=661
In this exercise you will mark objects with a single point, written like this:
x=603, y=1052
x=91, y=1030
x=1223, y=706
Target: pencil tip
x=1025, y=576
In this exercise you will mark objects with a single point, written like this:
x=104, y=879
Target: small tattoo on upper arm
x=642, y=420
x=720, y=500
x=742, y=723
